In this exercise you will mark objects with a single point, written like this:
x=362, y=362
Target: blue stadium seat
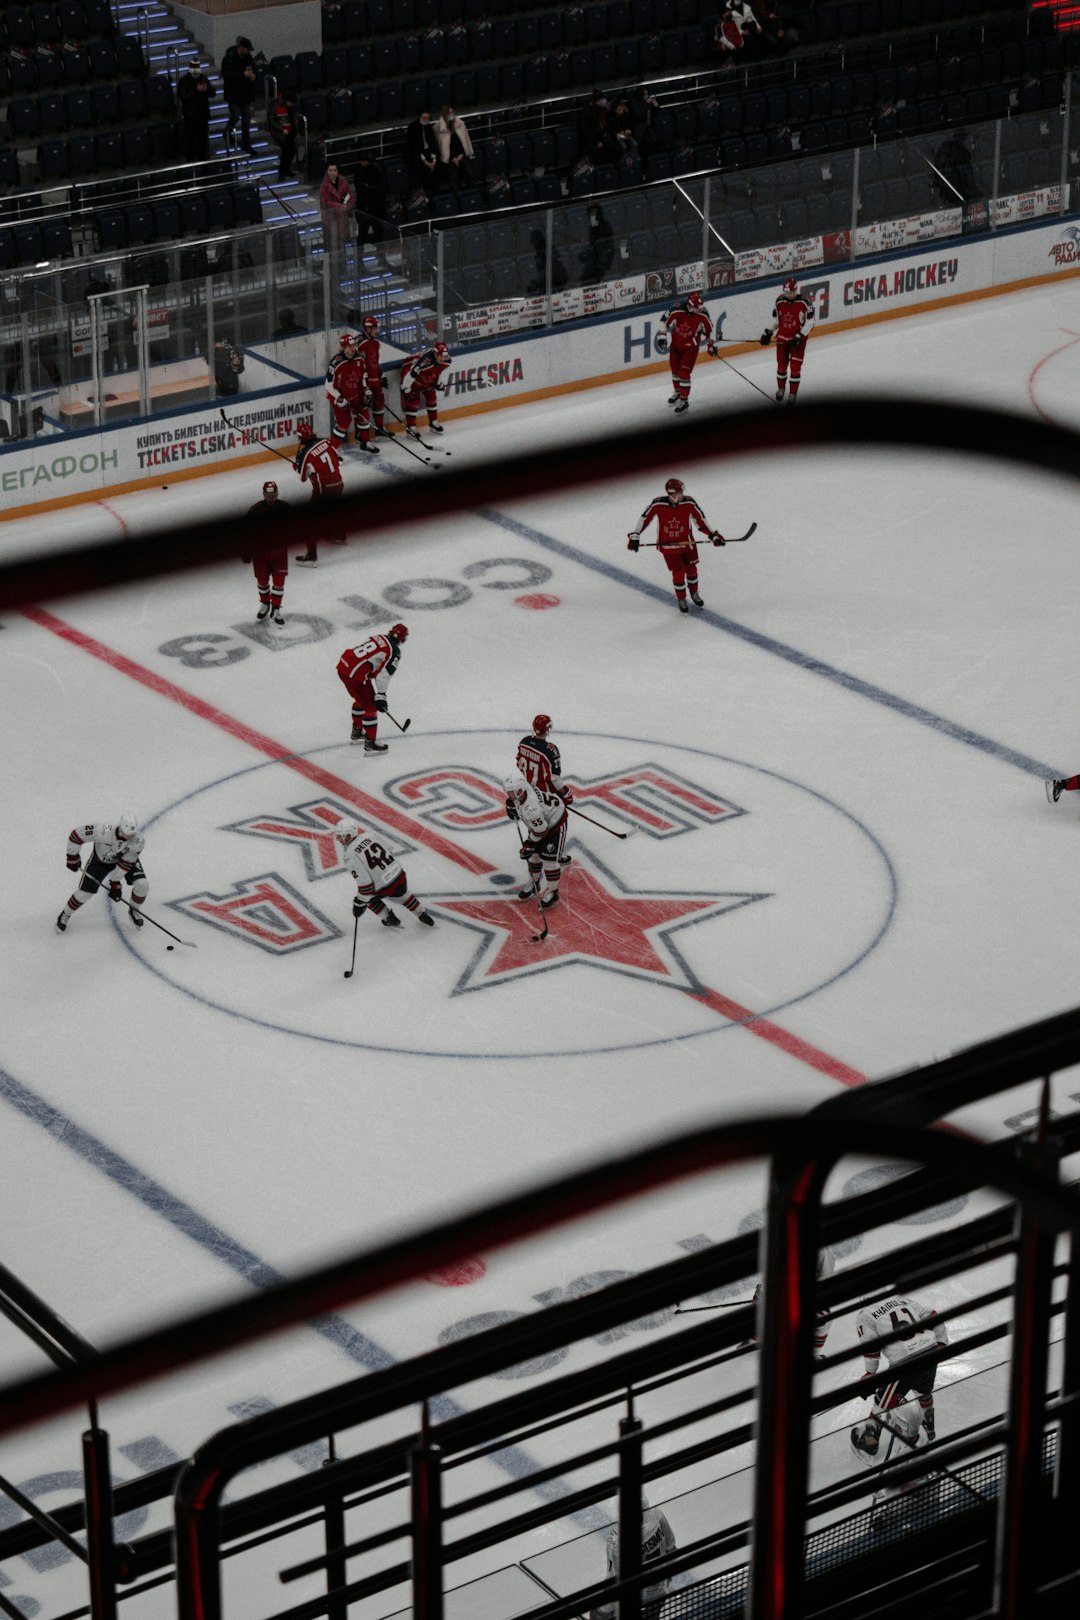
x=139, y=218
x=511, y=82
x=76, y=67
x=192, y=214
x=24, y=118
x=410, y=56
x=82, y=156
x=109, y=147
x=106, y=104
x=164, y=146
x=359, y=62
x=111, y=229
x=549, y=189
x=136, y=147
x=53, y=160
x=536, y=77
x=316, y=110
x=415, y=96
x=166, y=220
x=458, y=47
x=220, y=211
x=284, y=70
x=391, y=100
x=131, y=100
x=72, y=20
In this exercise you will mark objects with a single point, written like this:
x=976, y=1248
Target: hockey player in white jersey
x=541, y=817
x=889, y=1436
x=919, y=1330
x=379, y=877
x=826, y=1265
x=117, y=847
x=657, y=1541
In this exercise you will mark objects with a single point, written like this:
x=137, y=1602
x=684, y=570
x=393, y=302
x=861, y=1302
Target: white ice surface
x=178, y=1126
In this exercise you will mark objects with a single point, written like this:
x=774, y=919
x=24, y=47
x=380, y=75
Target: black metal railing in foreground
x=1009, y=1556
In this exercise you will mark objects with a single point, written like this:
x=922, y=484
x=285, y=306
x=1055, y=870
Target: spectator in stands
x=597, y=258
x=642, y=107
x=238, y=76
x=422, y=152
x=748, y=25
x=455, y=148
x=560, y=275
x=778, y=33
x=598, y=143
x=370, y=200
x=228, y=364
x=288, y=326
x=953, y=159
x=196, y=93
x=728, y=37
x=281, y=124
x=336, y=201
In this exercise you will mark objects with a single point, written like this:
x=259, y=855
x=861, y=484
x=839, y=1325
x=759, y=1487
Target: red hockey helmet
x=791, y=285
x=674, y=486
x=269, y=488
x=346, y=341
x=371, y=325
x=694, y=300
x=541, y=725
x=304, y=431
x=399, y=632
x=442, y=351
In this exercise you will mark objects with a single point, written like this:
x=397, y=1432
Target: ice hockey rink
x=840, y=863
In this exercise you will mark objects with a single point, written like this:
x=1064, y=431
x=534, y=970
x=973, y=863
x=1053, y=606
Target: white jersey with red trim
x=918, y=1325
x=540, y=812
x=109, y=849
x=372, y=865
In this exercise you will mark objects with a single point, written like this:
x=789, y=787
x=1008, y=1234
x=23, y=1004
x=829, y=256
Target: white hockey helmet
x=515, y=786
x=126, y=827
x=345, y=831
x=865, y=1437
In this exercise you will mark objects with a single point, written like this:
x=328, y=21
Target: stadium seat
x=136, y=148
x=109, y=147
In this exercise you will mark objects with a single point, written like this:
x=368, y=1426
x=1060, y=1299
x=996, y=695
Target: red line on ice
x=1037, y=367
x=793, y=1045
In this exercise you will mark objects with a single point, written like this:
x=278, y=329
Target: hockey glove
x=717, y=538
x=511, y=809
x=358, y=907
x=73, y=863
x=565, y=795
x=380, y=704
x=116, y=891
x=661, y=343
x=765, y=337
x=526, y=850
x=711, y=351
x=633, y=541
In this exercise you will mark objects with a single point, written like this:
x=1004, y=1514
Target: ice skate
x=682, y=606
x=673, y=399
x=550, y=899
x=368, y=449
x=1054, y=789
x=696, y=599
x=264, y=611
x=779, y=396
x=683, y=405
x=426, y=918
x=391, y=920
x=357, y=734
x=436, y=427
x=137, y=921
x=62, y=922
x=277, y=616
x=528, y=892
x=373, y=747
x=307, y=561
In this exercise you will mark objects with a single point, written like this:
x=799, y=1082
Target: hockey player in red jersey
x=539, y=762
x=541, y=818
x=677, y=515
x=420, y=375
x=792, y=321
x=687, y=328
x=379, y=877
x=367, y=358
x=271, y=567
x=319, y=465
x=365, y=671
x=342, y=380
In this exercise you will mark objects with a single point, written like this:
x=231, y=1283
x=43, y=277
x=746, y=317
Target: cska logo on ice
x=666, y=886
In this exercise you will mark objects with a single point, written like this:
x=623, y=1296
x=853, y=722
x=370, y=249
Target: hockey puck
x=170, y=947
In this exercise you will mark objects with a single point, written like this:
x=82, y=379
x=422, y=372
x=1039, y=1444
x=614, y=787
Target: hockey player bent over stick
x=379, y=877
x=677, y=514
x=541, y=818
x=115, y=845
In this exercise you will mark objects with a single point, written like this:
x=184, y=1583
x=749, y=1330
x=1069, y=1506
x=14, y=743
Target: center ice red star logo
x=597, y=920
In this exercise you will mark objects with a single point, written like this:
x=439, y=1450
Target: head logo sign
x=714, y=901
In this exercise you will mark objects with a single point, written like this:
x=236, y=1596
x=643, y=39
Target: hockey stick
x=536, y=938
x=146, y=915
x=436, y=447
x=351, y=969
x=729, y=540
x=599, y=824
x=398, y=723
x=912, y=1445
x=398, y=439
x=724, y=1305
x=253, y=437
x=745, y=378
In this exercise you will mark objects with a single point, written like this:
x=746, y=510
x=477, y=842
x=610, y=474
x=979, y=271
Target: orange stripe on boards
x=555, y=391
x=371, y=807
x=794, y=1045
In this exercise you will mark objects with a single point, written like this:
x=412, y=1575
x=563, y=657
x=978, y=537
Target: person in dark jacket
x=238, y=76
x=228, y=364
x=370, y=184
x=281, y=126
x=422, y=152
x=195, y=94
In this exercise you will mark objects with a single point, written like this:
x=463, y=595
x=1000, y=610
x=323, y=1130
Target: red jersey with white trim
x=792, y=317
x=367, y=359
x=319, y=465
x=375, y=659
x=676, y=517
x=688, y=328
x=539, y=763
x=344, y=379
x=422, y=370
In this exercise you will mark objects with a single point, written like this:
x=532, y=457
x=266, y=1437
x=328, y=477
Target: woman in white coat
x=455, y=148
